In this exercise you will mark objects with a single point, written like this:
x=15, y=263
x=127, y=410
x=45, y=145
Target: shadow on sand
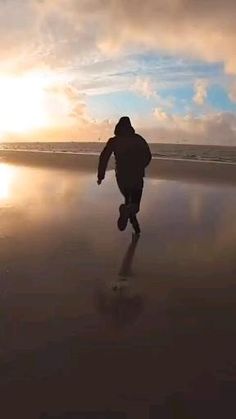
x=119, y=304
x=126, y=266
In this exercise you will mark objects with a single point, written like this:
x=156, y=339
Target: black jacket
x=132, y=155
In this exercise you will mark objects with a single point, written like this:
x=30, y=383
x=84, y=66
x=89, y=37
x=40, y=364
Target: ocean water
x=173, y=151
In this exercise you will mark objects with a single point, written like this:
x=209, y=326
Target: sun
x=22, y=106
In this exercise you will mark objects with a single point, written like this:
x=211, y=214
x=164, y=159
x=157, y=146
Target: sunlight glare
x=7, y=173
x=22, y=103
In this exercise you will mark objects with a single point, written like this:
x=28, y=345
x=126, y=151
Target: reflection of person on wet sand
x=119, y=304
x=120, y=307
x=132, y=156
x=126, y=266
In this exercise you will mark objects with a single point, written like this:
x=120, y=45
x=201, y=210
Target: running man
x=132, y=156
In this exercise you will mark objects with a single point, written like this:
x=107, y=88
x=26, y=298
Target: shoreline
x=155, y=156
x=160, y=167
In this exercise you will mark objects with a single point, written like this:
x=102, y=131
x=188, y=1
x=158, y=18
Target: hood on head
x=124, y=127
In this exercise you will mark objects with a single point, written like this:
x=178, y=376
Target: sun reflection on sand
x=7, y=174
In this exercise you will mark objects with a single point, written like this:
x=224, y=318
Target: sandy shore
x=162, y=168
x=93, y=321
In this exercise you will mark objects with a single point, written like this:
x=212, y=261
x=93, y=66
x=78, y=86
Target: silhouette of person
x=132, y=156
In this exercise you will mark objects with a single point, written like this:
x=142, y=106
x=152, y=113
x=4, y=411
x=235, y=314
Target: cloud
x=92, y=42
x=196, y=29
x=144, y=86
x=161, y=115
x=65, y=32
x=214, y=128
x=200, y=91
x=75, y=100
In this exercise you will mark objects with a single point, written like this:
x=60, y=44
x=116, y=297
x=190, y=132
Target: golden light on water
x=7, y=174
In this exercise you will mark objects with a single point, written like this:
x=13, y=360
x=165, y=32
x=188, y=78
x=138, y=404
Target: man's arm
x=104, y=158
x=147, y=155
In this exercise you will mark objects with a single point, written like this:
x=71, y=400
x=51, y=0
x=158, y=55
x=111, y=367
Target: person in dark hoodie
x=132, y=156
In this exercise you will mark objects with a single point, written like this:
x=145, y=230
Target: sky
x=69, y=69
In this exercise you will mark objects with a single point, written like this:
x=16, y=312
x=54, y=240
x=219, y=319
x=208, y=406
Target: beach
x=93, y=320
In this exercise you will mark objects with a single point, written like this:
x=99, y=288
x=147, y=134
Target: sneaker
x=124, y=217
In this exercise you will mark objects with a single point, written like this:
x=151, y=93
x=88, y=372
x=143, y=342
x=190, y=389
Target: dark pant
x=132, y=195
x=133, y=192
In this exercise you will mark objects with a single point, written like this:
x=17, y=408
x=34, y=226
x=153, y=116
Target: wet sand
x=163, y=168
x=92, y=321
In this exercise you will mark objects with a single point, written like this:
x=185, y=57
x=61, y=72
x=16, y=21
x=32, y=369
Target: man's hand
x=99, y=181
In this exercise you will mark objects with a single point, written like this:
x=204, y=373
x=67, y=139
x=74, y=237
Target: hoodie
x=131, y=151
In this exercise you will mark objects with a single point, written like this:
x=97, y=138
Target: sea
x=224, y=154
